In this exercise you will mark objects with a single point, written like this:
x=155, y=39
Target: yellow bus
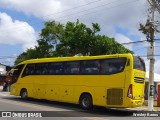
x=106, y=80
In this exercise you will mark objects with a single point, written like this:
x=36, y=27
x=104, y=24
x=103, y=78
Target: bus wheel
x=24, y=94
x=86, y=102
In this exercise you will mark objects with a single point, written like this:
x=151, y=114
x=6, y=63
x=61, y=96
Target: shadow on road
x=75, y=110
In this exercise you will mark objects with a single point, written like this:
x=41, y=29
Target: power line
x=134, y=42
x=63, y=17
x=69, y=9
x=72, y=8
x=90, y=9
x=6, y=57
x=143, y=48
x=141, y=41
x=150, y=55
x=95, y=8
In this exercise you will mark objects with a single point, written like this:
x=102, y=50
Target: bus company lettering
x=34, y=115
x=138, y=74
x=27, y=114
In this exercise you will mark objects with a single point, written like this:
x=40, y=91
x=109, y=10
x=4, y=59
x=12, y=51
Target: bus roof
x=58, y=59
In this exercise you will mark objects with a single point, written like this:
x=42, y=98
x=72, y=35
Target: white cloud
x=37, y=8
x=109, y=14
x=16, y=32
x=126, y=14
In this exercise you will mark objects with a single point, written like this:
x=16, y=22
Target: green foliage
x=21, y=58
x=71, y=39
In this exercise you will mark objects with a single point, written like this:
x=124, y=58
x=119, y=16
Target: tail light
x=130, y=91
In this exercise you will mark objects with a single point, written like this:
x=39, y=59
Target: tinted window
x=41, y=68
x=139, y=63
x=90, y=67
x=16, y=73
x=29, y=70
x=55, y=68
x=87, y=67
x=17, y=70
x=113, y=65
x=72, y=67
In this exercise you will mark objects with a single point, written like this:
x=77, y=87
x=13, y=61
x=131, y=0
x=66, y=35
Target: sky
x=22, y=20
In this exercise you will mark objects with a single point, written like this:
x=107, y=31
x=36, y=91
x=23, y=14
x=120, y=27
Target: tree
x=21, y=58
x=78, y=38
x=71, y=39
x=29, y=54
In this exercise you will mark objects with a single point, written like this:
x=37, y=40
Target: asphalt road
x=57, y=110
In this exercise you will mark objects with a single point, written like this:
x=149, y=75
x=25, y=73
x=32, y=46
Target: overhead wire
x=8, y=57
x=55, y=13
x=95, y=11
x=80, y=6
x=64, y=17
x=135, y=42
x=149, y=55
x=69, y=9
x=140, y=41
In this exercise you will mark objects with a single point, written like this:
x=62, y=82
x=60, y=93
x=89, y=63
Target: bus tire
x=24, y=94
x=86, y=102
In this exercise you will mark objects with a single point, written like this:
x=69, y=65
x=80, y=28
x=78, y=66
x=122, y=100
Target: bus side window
x=45, y=70
x=55, y=68
x=90, y=67
x=37, y=70
x=29, y=70
x=116, y=65
x=113, y=68
x=72, y=67
x=41, y=69
x=112, y=65
x=104, y=67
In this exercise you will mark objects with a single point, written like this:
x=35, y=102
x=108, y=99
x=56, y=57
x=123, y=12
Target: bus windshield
x=16, y=72
x=139, y=63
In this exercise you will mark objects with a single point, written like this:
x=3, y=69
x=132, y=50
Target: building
x=3, y=70
x=156, y=83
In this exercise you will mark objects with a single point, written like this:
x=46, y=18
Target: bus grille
x=114, y=96
x=138, y=80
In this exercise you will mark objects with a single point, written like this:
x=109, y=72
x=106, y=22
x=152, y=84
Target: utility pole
x=151, y=68
x=149, y=30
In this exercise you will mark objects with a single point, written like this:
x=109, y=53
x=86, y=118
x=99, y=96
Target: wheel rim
x=24, y=94
x=86, y=102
